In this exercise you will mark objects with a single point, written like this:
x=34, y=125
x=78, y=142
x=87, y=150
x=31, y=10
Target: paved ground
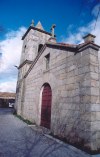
x=17, y=139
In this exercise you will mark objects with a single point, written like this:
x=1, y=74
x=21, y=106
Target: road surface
x=17, y=139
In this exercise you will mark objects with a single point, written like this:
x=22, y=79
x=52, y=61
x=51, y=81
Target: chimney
x=89, y=38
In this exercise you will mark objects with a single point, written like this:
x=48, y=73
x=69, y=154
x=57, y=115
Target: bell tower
x=33, y=40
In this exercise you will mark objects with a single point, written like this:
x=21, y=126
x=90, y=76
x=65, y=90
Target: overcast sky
x=73, y=19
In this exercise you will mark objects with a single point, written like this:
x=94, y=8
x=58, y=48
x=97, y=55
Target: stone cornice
x=34, y=28
x=62, y=47
x=25, y=62
x=87, y=45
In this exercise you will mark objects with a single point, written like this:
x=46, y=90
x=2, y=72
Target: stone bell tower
x=33, y=40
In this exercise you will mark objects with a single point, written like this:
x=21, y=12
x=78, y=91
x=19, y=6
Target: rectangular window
x=47, y=57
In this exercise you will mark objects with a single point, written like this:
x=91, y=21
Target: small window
x=40, y=46
x=47, y=57
x=24, y=48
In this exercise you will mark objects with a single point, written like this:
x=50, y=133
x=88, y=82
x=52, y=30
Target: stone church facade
x=58, y=86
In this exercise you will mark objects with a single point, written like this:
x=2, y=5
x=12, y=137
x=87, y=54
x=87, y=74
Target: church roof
x=25, y=62
x=64, y=45
x=73, y=46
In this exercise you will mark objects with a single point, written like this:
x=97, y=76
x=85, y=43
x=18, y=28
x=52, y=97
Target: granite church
x=58, y=86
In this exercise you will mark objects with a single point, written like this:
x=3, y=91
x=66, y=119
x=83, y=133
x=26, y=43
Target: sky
x=73, y=19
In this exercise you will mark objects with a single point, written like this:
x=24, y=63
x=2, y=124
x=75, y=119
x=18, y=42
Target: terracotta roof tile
x=7, y=95
x=67, y=45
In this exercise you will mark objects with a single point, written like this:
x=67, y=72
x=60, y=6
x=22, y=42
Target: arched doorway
x=46, y=106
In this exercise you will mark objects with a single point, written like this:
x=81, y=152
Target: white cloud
x=81, y=31
x=10, y=48
x=77, y=37
x=95, y=10
x=8, y=86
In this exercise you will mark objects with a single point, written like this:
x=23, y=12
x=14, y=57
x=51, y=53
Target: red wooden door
x=46, y=107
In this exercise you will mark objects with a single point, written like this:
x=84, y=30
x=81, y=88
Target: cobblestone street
x=17, y=139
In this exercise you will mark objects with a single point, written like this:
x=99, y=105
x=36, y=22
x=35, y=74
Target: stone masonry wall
x=95, y=99
x=31, y=43
x=70, y=79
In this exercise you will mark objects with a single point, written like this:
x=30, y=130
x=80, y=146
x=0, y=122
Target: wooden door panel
x=46, y=107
